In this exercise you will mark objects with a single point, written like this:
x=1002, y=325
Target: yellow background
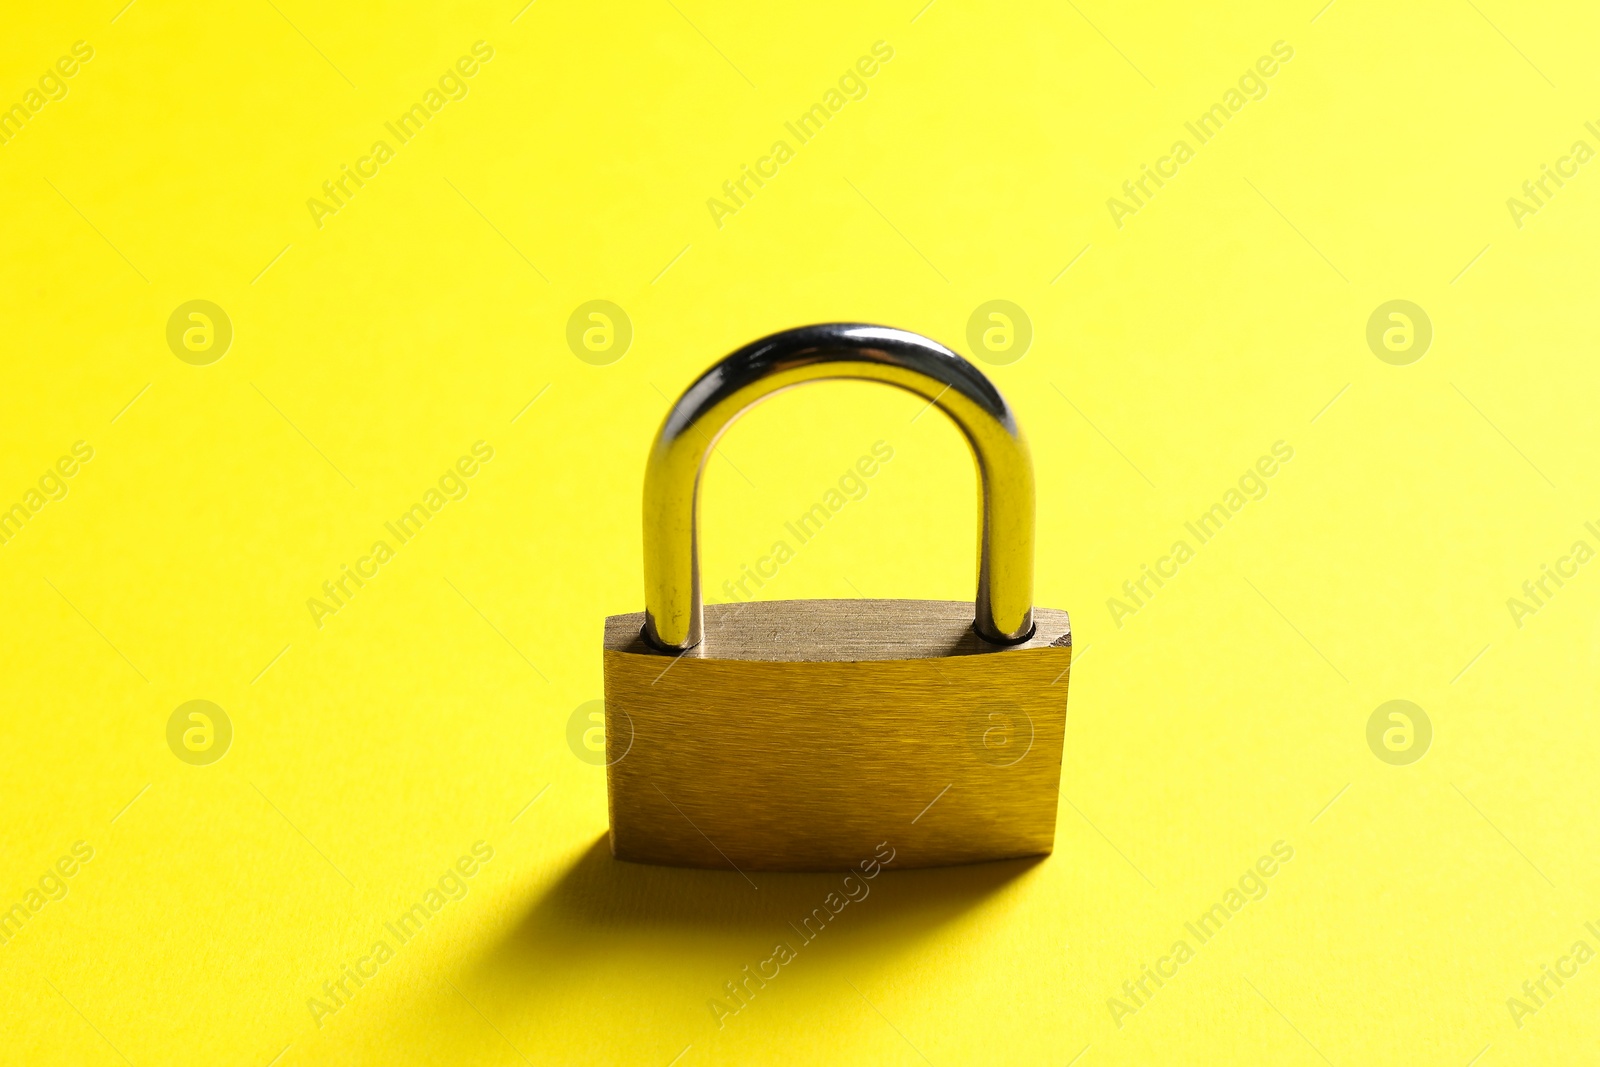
x=369, y=753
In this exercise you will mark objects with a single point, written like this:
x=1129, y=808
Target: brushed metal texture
x=800, y=734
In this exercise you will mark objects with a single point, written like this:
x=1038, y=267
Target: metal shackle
x=1004, y=603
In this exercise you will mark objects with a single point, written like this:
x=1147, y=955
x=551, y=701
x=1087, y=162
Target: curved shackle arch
x=1004, y=602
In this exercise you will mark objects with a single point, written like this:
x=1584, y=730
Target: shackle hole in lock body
x=1004, y=602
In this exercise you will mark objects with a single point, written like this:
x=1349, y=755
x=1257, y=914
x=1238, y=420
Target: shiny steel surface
x=1004, y=603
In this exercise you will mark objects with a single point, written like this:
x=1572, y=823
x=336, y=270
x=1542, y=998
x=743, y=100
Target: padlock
x=807, y=734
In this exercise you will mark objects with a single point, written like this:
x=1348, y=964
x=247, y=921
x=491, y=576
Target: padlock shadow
x=604, y=920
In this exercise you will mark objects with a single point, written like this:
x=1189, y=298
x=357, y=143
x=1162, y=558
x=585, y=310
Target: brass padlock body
x=801, y=734
x=805, y=734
